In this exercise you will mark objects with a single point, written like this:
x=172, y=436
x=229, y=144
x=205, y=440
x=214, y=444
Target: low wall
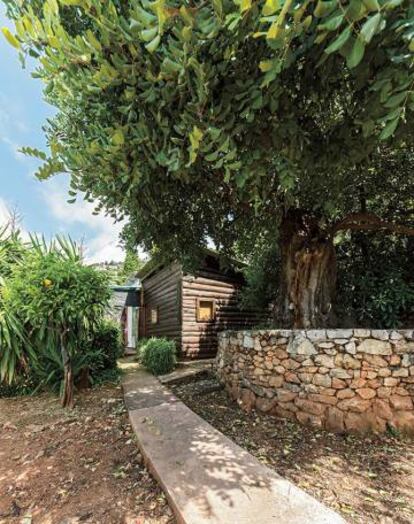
x=341, y=380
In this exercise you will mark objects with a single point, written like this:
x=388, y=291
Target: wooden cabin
x=192, y=307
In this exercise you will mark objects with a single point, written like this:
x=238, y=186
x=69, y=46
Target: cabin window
x=154, y=315
x=206, y=310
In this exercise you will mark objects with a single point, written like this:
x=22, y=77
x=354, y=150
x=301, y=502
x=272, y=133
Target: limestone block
x=325, y=361
x=402, y=372
x=376, y=361
x=382, y=409
x=374, y=347
x=301, y=346
x=334, y=420
x=340, y=373
x=316, y=334
x=366, y=393
x=350, y=362
x=247, y=399
x=340, y=333
x=265, y=404
x=326, y=345
x=308, y=419
x=354, y=404
x=285, y=396
x=401, y=403
x=276, y=381
x=404, y=421
x=362, y=333
x=248, y=342
x=345, y=393
x=390, y=381
x=350, y=347
x=322, y=380
x=337, y=383
x=383, y=392
x=323, y=399
x=292, y=377
x=380, y=334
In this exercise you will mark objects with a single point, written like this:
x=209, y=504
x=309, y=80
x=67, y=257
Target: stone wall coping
x=320, y=334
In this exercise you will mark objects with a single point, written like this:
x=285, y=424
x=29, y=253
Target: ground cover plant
x=242, y=122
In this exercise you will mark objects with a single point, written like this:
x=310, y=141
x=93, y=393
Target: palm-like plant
x=15, y=350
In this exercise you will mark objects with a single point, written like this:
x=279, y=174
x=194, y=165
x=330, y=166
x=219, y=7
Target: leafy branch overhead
x=144, y=86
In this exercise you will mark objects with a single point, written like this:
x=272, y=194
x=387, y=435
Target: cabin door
x=132, y=326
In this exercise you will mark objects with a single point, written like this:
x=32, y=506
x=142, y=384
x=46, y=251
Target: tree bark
x=67, y=393
x=308, y=273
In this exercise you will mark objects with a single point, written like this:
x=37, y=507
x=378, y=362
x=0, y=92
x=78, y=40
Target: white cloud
x=101, y=239
x=14, y=148
x=4, y=212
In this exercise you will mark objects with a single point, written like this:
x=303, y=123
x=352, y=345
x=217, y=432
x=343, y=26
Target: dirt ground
x=366, y=479
x=74, y=466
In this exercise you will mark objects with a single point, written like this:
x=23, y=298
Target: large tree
x=202, y=120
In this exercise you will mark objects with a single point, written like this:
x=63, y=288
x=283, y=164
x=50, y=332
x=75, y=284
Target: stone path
x=207, y=477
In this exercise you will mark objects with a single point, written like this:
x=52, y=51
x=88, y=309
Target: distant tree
x=207, y=119
x=131, y=265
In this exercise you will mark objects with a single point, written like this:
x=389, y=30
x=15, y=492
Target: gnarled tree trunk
x=67, y=394
x=308, y=273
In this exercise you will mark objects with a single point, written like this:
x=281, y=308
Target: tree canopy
x=205, y=120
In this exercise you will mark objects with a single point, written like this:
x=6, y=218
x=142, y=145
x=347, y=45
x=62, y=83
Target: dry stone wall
x=342, y=380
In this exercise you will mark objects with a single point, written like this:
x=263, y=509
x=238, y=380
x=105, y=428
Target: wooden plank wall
x=163, y=290
x=199, y=339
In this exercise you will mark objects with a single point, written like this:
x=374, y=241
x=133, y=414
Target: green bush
x=158, y=355
x=97, y=356
x=22, y=387
x=107, y=341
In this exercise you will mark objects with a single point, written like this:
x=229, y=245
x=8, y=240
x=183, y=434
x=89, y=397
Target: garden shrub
x=158, y=355
x=95, y=361
x=107, y=341
x=23, y=386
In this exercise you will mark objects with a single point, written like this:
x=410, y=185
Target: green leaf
x=245, y=5
x=10, y=37
x=356, y=54
x=169, y=66
x=218, y=8
x=370, y=27
x=332, y=24
x=323, y=9
x=265, y=65
x=149, y=34
x=118, y=138
x=270, y=7
x=372, y=5
x=153, y=45
x=389, y=129
x=396, y=100
x=339, y=42
x=196, y=136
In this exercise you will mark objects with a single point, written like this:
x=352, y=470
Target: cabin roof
x=153, y=265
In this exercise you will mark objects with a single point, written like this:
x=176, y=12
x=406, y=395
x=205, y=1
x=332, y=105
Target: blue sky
x=42, y=204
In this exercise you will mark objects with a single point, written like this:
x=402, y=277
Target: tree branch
x=370, y=222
